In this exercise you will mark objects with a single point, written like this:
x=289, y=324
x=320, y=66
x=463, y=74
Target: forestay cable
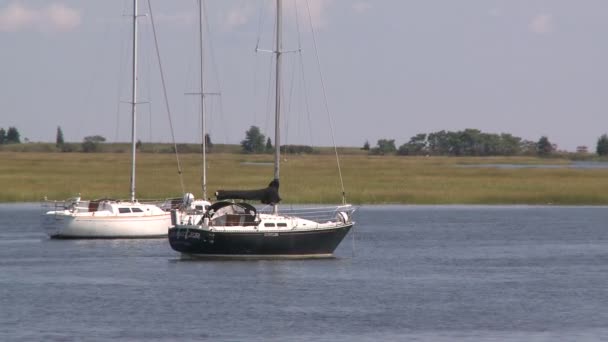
x=214, y=67
x=162, y=78
x=331, y=127
x=303, y=74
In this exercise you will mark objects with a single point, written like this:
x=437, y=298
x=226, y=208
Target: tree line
x=468, y=142
x=256, y=142
x=471, y=142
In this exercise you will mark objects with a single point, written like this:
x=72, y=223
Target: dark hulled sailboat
x=228, y=229
x=235, y=230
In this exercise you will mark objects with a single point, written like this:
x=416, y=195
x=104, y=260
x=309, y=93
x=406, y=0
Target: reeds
x=26, y=177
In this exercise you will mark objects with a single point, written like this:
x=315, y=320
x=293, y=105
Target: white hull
x=108, y=227
x=107, y=220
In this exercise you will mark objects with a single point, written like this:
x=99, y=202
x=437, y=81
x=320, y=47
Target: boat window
x=268, y=224
x=282, y=224
x=137, y=210
x=124, y=210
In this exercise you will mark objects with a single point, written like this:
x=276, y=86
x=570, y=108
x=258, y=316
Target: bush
x=91, y=142
x=297, y=149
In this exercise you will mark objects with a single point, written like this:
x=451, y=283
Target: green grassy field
x=31, y=176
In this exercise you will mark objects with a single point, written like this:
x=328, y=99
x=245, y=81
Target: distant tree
x=12, y=136
x=254, y=141
x=269, y=145
x=208, y=142
x=385, y=146
x=90, y=143
x=602, y=145
x=416, y=146
x=543, y=146
x=509, y=145
x=469, y=142
x=438, y=143
x=138, y=144
x=365, y=146
x=2, y=136
x=59, y=138
x=529, y=147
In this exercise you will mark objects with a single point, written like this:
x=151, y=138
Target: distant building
x=582, y=149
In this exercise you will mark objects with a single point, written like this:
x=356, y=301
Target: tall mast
x=203, y=127
x=277, y=109
x=134, y=101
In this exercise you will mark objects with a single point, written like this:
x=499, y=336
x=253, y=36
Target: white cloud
x=243, y=13
x=54, y=17
x=61, y=17
x=361, y=7
x=14, y=17
x=317, y=11
x=238, y=16
x=542, y=24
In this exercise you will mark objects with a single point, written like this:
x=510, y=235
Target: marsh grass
x=304, y=178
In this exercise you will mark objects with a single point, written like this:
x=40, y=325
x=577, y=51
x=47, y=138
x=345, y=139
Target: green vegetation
x=208, y=142
x=11, y=136
x=59, y=138
x=304, y=178
x=366, y=146
x=254, y=141
x=385, y=146
x=602, y=145
x=469, y=142
x=544, y=147
x=91, y=143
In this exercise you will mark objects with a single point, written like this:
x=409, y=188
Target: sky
x=390, y=69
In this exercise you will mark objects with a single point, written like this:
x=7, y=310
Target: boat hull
x=110, y=227
x=196, y=242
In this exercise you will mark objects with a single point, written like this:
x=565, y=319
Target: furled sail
x=269, y=195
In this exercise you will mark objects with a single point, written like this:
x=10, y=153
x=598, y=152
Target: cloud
x=238, y=16
x=61, y=17
x=243, y=13
x=317, y=11
x=542, y=24
x=361, y=7
x=14, y=17
x=54, y=17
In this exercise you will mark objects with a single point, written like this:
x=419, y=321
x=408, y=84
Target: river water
x=411, y=273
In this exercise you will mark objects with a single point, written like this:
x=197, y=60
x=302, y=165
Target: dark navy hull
x=203, y=243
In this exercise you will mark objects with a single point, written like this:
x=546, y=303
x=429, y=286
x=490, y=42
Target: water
x=420, y=273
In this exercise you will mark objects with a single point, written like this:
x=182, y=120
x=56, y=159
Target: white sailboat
x=107, y=218
x=229, y=229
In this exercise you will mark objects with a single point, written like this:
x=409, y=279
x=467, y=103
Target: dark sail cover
x=269, y=195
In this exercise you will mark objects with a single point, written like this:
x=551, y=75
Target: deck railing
x=316, y=214
x=75, y=204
